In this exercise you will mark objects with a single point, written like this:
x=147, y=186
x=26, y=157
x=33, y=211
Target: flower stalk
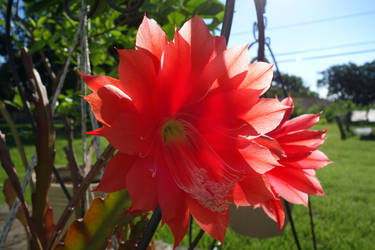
x=150, y=229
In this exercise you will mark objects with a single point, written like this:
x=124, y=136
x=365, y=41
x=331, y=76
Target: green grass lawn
x=344, y=218
x=28, y=138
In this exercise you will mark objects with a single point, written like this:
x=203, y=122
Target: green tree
x=294, y=86
x=47, y=30
x=351, y=82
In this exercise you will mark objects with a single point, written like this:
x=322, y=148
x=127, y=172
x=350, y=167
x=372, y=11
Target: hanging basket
x=252, y=222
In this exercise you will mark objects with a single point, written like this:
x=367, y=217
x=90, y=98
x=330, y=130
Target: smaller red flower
x=295, y=148
x=296, y=179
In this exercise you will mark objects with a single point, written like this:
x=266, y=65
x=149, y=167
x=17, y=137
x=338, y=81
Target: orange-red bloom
x=296, y=179
x=191, y=131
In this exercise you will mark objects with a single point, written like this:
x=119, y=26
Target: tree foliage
x=45, y=28
x=294, y=86
x=351, y=82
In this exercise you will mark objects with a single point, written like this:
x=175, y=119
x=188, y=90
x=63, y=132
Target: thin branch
x=228, y=17
x=61, y=182
x=150, y=229
x=90, y=153
x=289, y=214
x=260, y=7
x=50, y=72
x=15, y=134
x=190, y=230
x=66, y=66
x=13, y=212
x=70, y=153
x=83, y=67
x=89, y=195
x=44, y=145
x=196, y=240
x=11, y=172
x=312, y=225
x=86, y=69
x=103, y=159
x=72, y=161
x=12, y=63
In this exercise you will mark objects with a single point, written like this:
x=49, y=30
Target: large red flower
x=188, y=124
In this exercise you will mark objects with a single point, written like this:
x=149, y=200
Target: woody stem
x=150, y=229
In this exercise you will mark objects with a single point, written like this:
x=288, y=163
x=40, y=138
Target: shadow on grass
x=370, y=137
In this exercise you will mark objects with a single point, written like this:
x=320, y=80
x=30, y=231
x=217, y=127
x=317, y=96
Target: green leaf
x=38, y=6
x=98, y=223
x=176, y=18
x=41, y=20
x=33, y=23
x=210, y=8
x=37, y=46
x=192, y=5
x=115, y=33
x=169, y=30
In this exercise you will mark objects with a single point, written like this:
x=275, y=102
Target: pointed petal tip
x=95, y=132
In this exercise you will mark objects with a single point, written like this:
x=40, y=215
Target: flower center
x=173, y=131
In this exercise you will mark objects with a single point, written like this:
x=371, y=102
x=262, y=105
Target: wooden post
x=341, y=127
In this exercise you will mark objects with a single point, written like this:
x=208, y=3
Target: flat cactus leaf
x=99, y=222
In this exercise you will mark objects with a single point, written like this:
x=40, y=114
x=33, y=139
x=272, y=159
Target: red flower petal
x=97, y=81
x=213, y=223
x=137, y=75
x=196, y=34
x=115, y=173
x=296, y=178
x=226, y=66
x=220, y=45
x=176, y=65
x=130, y=134
x=301, y=141
x=151, y=37
x=104, y=99
x=271, y=144
x=173, y=206
x=287, y=191
x=224, y=107
x=288, y=102
x=143, y=193
x=301, y=122
x=274, y=209
x=266, y=115
x=259, y=158
x=314, y=160
x=259, y=76
x=252, y=190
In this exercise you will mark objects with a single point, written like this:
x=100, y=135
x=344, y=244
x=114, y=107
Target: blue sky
x=353, y=32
